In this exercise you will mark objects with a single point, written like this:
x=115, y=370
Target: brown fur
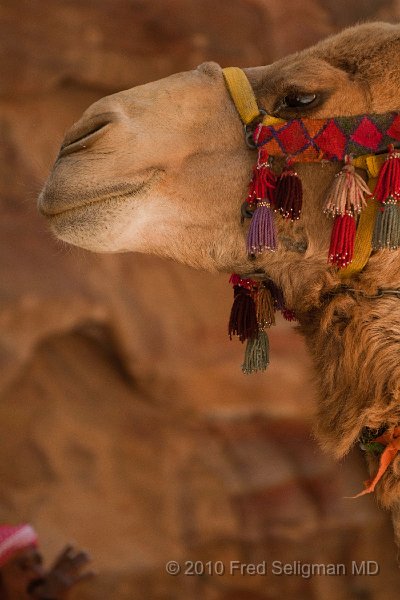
x=181, y=138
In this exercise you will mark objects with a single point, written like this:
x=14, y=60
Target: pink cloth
x=14, y=538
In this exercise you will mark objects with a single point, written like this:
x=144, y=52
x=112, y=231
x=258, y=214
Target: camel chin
x=98, y=227
x=149, y=224
x=108, y=224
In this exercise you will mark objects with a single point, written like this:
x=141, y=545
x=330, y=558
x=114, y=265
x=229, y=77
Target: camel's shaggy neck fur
x=163, y=169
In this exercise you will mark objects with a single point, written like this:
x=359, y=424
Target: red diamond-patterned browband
x=313, y=140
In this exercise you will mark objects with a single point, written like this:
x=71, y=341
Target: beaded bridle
x=365, y=214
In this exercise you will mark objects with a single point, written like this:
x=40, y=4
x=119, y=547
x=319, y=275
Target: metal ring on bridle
x=249, y=129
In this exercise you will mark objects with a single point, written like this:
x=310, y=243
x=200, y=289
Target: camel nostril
x=85, y=133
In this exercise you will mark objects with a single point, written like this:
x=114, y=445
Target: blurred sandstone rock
x=126, y=423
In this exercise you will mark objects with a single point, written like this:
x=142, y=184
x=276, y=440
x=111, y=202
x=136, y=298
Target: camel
x=163, y=169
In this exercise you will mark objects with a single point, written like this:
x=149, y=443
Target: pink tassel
x=347, y=192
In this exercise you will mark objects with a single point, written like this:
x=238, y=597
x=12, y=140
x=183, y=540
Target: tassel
x=345, y=199
x=289, y=194
x=256, y=357
x=387, y=192
x=342, y=240
x=289, y=314
x=265, y=308
x=388, y=185
x=262, y=234
x=348, y=191
x=387, y=228
x=263, y=181
x=243, y=318
x=235, y=280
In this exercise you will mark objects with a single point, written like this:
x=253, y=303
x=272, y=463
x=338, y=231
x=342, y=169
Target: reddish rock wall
x=126, y=423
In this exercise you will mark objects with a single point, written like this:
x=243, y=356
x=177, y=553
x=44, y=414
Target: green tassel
x=256, y=357
x=387, y=228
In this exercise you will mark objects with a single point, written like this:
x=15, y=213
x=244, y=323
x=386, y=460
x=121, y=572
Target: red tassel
x=388, y=185
x=342, y=240
x=263, y=182
x=387, y=192
x=346, y=197
x=289, y=194
x=289, y=315
x=235, y=280
x=243, y=318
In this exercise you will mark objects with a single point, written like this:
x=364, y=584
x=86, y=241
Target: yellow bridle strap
x=243, y=97
x=365, y=228
x=242, y=94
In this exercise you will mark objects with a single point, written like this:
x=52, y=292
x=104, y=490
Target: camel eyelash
x=298, y=102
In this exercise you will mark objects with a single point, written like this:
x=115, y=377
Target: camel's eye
x=298, y=100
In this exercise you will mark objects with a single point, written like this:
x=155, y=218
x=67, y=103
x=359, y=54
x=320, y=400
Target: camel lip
x=48, y=207
x=49, y=214
x=94, y=200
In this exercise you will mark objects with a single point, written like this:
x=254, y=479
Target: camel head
x=163, y=168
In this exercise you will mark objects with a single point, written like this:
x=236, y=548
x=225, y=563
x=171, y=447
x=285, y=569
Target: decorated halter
x=366, y=217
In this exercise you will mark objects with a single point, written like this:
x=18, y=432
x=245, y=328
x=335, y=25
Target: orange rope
x=390, y=439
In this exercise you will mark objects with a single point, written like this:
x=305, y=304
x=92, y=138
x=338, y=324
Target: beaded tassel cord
x=256, y=356
x=387, y=192
x=243, y=319
x=345, y=199
x=253, y=311
x=312, y=141
x=262, y=234
x=289, y=194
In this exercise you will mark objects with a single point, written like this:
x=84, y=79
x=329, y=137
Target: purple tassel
x=262, y=234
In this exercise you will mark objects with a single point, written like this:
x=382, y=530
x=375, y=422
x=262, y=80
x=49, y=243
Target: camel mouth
x=50, y=206
x=115, y=195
